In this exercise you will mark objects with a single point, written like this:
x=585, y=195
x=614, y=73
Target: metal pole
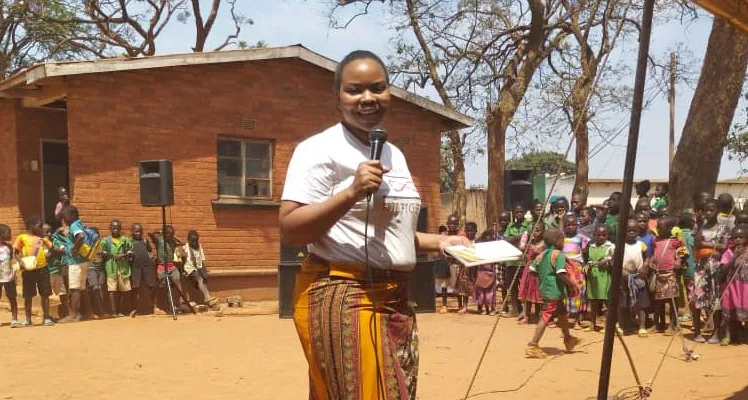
x=673, y=68
x=628, y=180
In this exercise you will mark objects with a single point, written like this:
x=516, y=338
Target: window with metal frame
x=245, y=167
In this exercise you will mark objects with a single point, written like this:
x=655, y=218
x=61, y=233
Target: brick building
x=228, y=121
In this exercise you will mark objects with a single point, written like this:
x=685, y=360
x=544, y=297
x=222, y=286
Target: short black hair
x=686, y=220
x=642, y=188
x=725, y=202
x=168, y=228
x=33, y=220
x=70, y=213
x=602, y=227
x=473, y=225
x=357, y=55
x=664, y=185
x=552, y=236
x=4, y=229
x=616, y=195
x=192, y=233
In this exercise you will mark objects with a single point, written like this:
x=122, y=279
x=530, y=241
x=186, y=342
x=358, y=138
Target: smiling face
x=519, y=214
x=364, y=95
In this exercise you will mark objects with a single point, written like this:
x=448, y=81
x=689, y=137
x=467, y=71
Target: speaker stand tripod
x=167, y=276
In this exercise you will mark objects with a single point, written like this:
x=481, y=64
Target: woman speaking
x=352, y=314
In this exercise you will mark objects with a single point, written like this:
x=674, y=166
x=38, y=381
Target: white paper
x=484, y=253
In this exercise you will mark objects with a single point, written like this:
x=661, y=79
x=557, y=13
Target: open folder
x=484, y=253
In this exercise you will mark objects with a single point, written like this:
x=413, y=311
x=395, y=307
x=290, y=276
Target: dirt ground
x=258, y=357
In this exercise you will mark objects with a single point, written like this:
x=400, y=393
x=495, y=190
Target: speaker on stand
x=157, y=190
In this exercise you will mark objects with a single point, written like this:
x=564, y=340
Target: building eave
x=452, y=119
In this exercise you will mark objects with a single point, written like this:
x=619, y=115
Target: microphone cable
x=373, y=319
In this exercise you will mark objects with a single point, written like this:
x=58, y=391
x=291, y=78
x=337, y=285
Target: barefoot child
x=8, y=274
x=143, y=269
x=710, y=240
x=668, y=255
x=555, y=285
x=192, y=258
x=117, y=252
x=529, y=289
x=634, y=292
x=574, y=247
x=598, y=273
x=35, y=276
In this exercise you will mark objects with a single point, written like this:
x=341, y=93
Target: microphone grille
x=378, y=133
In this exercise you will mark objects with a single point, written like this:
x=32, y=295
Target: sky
x=288, y=22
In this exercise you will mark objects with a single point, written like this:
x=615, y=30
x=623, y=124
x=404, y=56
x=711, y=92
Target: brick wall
x=117, y=119
x=9, y=213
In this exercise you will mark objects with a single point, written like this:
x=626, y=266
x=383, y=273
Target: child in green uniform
x=117, y=252
x=598, y=273
x=56, y=263
x=555, y=283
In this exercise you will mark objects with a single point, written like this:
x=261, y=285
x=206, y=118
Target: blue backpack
x=91, y=244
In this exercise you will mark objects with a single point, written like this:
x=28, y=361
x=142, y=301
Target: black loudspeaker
x=517, y=188
x=156, y=183
x=286, y=281
x=421, y=287
x=292, y=254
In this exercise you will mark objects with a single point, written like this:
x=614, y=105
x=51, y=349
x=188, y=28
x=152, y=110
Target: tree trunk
x=699, y=153
x=581, y=136
x=459, y=201
x=498, y=122
x=580, y=92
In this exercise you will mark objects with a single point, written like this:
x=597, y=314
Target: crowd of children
x=692, y=267
x=93, y=273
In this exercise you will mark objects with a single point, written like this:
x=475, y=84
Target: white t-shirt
x=633, y=259
x=324, y=165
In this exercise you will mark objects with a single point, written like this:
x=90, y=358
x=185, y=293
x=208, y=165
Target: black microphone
x=377, y=139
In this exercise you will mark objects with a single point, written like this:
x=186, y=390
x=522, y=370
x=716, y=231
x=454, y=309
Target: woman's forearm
x=428, y=241
x=302, y=224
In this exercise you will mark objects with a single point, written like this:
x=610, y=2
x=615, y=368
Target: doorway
x=55, y=173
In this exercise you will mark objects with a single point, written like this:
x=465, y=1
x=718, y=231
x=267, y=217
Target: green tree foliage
x=26, y=38
x=542, y=162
